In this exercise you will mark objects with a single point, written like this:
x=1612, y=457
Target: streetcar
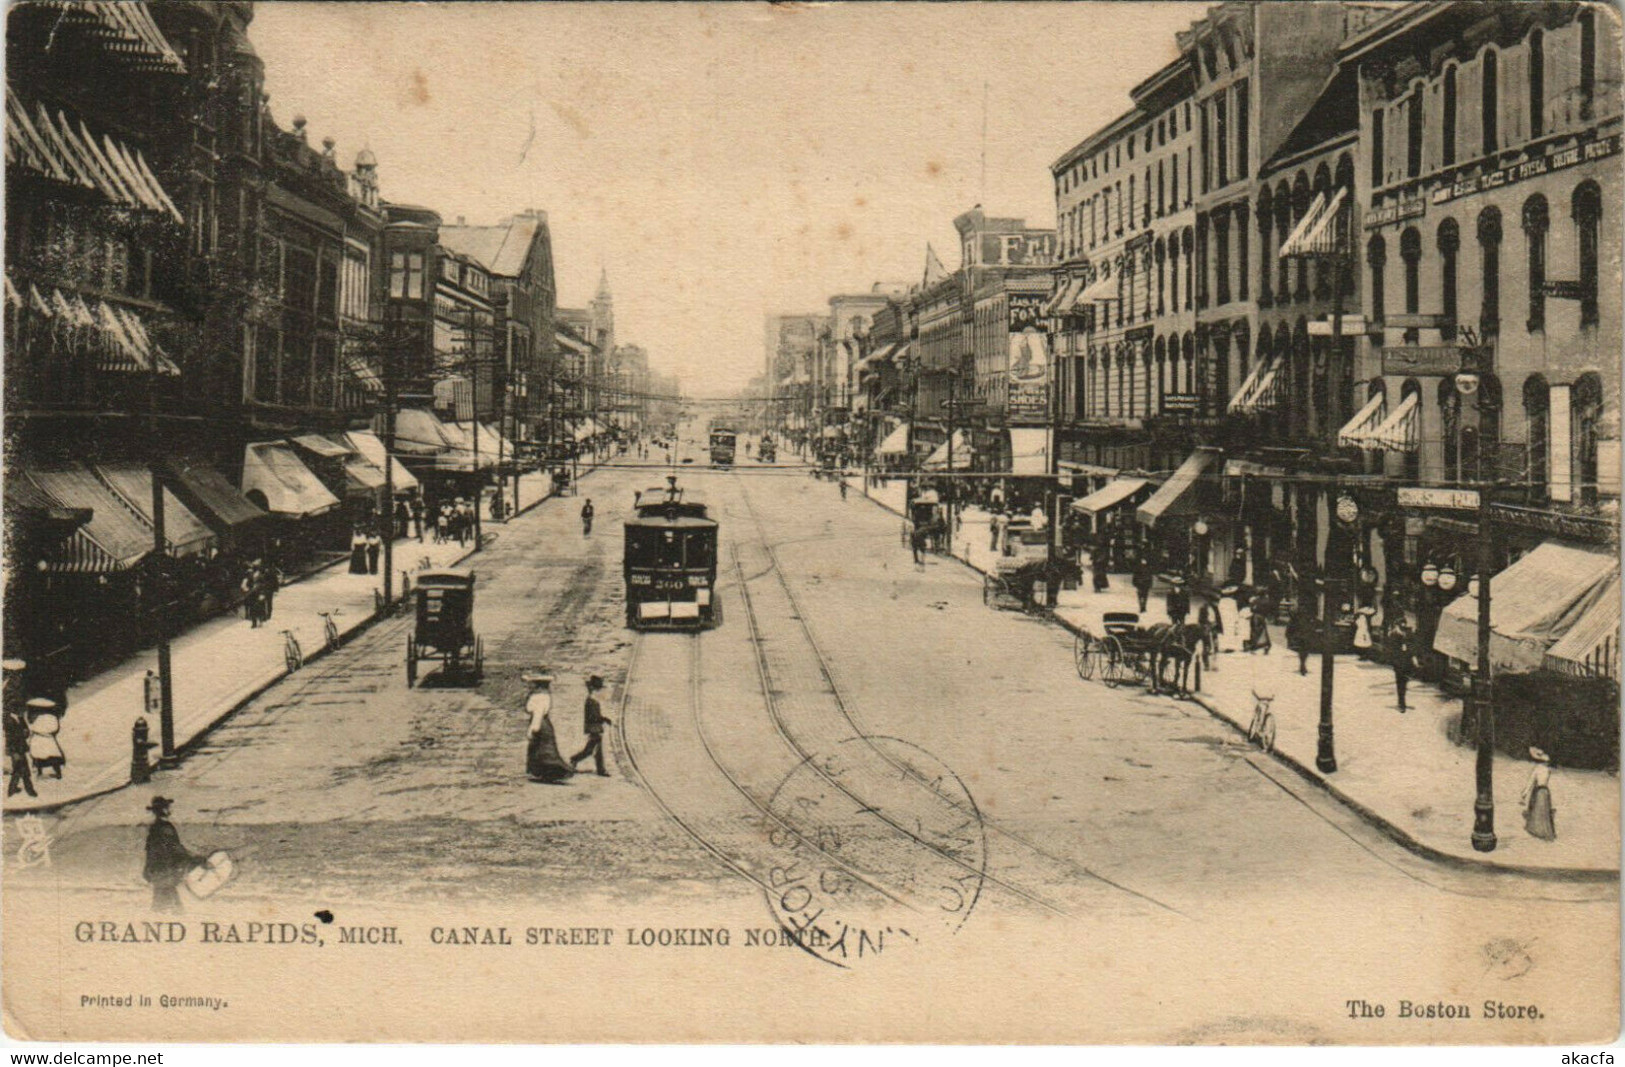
x=670, y=563
x=723, y=440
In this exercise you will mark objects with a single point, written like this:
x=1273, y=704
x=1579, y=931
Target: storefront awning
x=870, y=364
x=364, y=375
x=419, y=433
x=184, y=533
x=215, y=500
x=1533, y=604
x=1399, y=430
x=1356, y=433
x=1104, y=287
x=318, y=445
x=1257, y=390
x=114, y=539
x=1177, y=496
x=1064, y=297
x=1316, y=233
x=1111, y=495
x=371, y=447
x=1093, y=470
x=938, y=460
x=290, y=488
x=896, y=442
x=1591, y=647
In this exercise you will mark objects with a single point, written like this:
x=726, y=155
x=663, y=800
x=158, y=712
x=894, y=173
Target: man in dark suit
x=168, y=862
x=593, y=723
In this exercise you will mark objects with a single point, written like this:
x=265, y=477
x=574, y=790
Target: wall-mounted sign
x=1574, y=155
x=1422, y=359
x=1176, y=402
x=1394, y=212
x=1026, y=311
x=1353, y=326
x=1419, y=497
x=1562, y=290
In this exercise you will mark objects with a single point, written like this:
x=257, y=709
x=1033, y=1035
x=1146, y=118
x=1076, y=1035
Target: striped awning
x=1178, y=494
x=212, y=495
x=1398, y=431
x=114, y=539
x=1357, y=431
x=63, y=149
x=184, y=533
x=364, y=375
x=126, y=30
x=1065, y=296
x=1257, y=390
x=1110, y=495
x=1316, y=232
x=938, y=459
x=1104, y=287
x=1591, y=647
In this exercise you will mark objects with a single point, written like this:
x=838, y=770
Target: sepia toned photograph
x=1029, y=523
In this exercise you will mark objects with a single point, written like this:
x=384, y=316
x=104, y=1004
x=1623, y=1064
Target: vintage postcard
x=987, y=522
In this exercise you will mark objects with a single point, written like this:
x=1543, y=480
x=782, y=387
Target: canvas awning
x=1112, y=494
x=420, y=433
x=1104, y=287
x=869, y=364
x=1257, y=390
x=1533, y=604
x=1399, y=430
x=896, y=442
x=114, y=539
x=938, y=459
x=290, y=488
x=184, y=533
x=318, y=445
x=1177, y=496
x=1357, y=431
x=1064, y=297
x=1316, y=232
x=371, y=447
x=211, y=493
x=363, y=373
x=1591, y=647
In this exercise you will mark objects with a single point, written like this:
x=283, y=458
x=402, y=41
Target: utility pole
x=1483, y=696
x=392, y=339
x=471, y=356
x=161, y=585
x=1325, y=754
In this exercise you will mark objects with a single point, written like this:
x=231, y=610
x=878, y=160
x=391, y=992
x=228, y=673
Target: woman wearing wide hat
x=543, y=763
x=1537, y=798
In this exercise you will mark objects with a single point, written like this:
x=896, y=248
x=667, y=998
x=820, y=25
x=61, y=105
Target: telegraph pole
x=1482, y=695
x=391, y=338
x=160, y=548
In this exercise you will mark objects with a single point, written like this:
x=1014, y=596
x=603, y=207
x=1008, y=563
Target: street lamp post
x=1482, y=694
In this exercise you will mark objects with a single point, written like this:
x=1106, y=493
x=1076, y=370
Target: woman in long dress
x=543, y=763
x=358, y=552
x=1537, y=799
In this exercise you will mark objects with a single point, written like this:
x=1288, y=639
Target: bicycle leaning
x=330, y=629
x=1261, y=731
x=292, y=654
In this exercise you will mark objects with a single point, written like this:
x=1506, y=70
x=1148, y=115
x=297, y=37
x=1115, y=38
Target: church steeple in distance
x=602, y=310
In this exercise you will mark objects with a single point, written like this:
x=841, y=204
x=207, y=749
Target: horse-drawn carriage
x=1020, y=575
x=1164, y=657
x=445, y=625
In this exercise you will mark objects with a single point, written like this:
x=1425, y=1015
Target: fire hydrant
x=140, y=769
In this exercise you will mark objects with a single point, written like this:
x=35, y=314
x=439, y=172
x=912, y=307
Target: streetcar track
x=902, y=767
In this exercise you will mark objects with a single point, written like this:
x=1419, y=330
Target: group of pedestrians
x=543, y=761
x=259, y=587
x=454, y=522
x=365, y=547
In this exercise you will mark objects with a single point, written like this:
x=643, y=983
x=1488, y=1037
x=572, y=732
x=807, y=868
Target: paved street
x=935, y=759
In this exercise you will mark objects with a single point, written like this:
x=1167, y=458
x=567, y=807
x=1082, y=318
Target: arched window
x=1344, y=180
x=1537, y=399
x=1489, y=104
x=1410, y=252
x=1242, y=266
x=1413, y=458
x=1160, y=349
x=1300, y=207
x=1161, y=254
x=1219, y=342
x=1190, y=362
x=1266, y=249
x=1484, y=455
x=1536, y=222
x=1151, y=394
x=1449, y=238
x=1585, y=411
x=1449, y=117
x=1242, y=347
x=1283, y=227
x=1489, y=249
x=1450, y=418
x=1377, y=259
x=1173, y=182
x=1189, y=244
x=1173, y=272
x=1323, y=280
x=1413, y=134
x=1537, y=82
x=1588, y=61
x=1587, y=206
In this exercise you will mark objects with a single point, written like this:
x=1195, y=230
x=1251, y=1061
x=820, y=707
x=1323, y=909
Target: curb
x=244, y=697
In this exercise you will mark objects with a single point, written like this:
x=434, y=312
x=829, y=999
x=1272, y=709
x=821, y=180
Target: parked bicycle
x=1262, y=729
x=330, y=629
x=292, y=654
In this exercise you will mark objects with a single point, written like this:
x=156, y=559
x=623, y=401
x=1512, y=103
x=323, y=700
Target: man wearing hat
x=168, y=862
x=593, y=724
x=543, y=763
x=1179, y=601
x=16, y=725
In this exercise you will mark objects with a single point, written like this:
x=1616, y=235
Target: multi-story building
x=792, y=348
x=518, y=253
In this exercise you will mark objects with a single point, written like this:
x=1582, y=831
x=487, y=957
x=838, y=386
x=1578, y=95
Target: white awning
x=1064, y=297
x=288, y=486
x=896, y=442
x=938, y=460
x=1103, y=288
x=1177, y=496
x=1533, y=604
x=1257, y=390
x=1316, y=234
x=1398, y=430
x=1591, y=647
x=1109, y=496
x=368, y=444
x=1357, y=432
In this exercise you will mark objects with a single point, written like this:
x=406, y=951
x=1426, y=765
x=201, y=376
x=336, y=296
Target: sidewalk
x=222, y=663
x=1401, y=773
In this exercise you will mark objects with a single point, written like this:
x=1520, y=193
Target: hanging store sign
x=1601, y=148
x=1422, y=359
x=1418, y=497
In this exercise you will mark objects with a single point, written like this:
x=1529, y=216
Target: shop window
x=1536, y=222
x=1537, y=410
x=1489, y=248
x=1489, y=104
x=1537, y=83
x=1448, y=119
x=1587, y=207
x=1449, y=238
x=1410, y=253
